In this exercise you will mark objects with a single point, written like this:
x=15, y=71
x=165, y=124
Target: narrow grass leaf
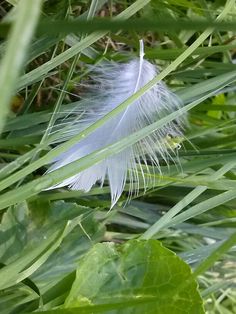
x=26, y=19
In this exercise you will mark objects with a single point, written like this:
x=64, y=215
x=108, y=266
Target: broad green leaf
x=138, y=276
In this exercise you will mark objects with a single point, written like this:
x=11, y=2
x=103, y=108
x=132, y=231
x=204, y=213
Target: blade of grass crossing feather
x=167, y=218
x=83, y=163
x=186, y=95
x=52, y=178
x=105, y=190
x=26, y=19
x=36, y=74
x=133, y=138
x=163, y=181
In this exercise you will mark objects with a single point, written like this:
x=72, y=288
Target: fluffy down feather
x=114, y=83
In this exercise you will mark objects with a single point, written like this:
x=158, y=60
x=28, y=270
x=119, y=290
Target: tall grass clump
x=168, y=243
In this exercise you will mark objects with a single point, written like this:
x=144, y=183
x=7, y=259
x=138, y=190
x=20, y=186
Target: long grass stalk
x=28, y=12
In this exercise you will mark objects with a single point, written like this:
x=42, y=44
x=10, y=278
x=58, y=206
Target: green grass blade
x=215, y=255
x=140, y=24
x=24, y=266
x=203, y=207
x=28, y=12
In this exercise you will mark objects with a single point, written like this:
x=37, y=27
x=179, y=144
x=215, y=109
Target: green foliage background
x=171, y=249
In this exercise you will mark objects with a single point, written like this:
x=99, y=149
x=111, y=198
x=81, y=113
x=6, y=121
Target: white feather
x=114, y=83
